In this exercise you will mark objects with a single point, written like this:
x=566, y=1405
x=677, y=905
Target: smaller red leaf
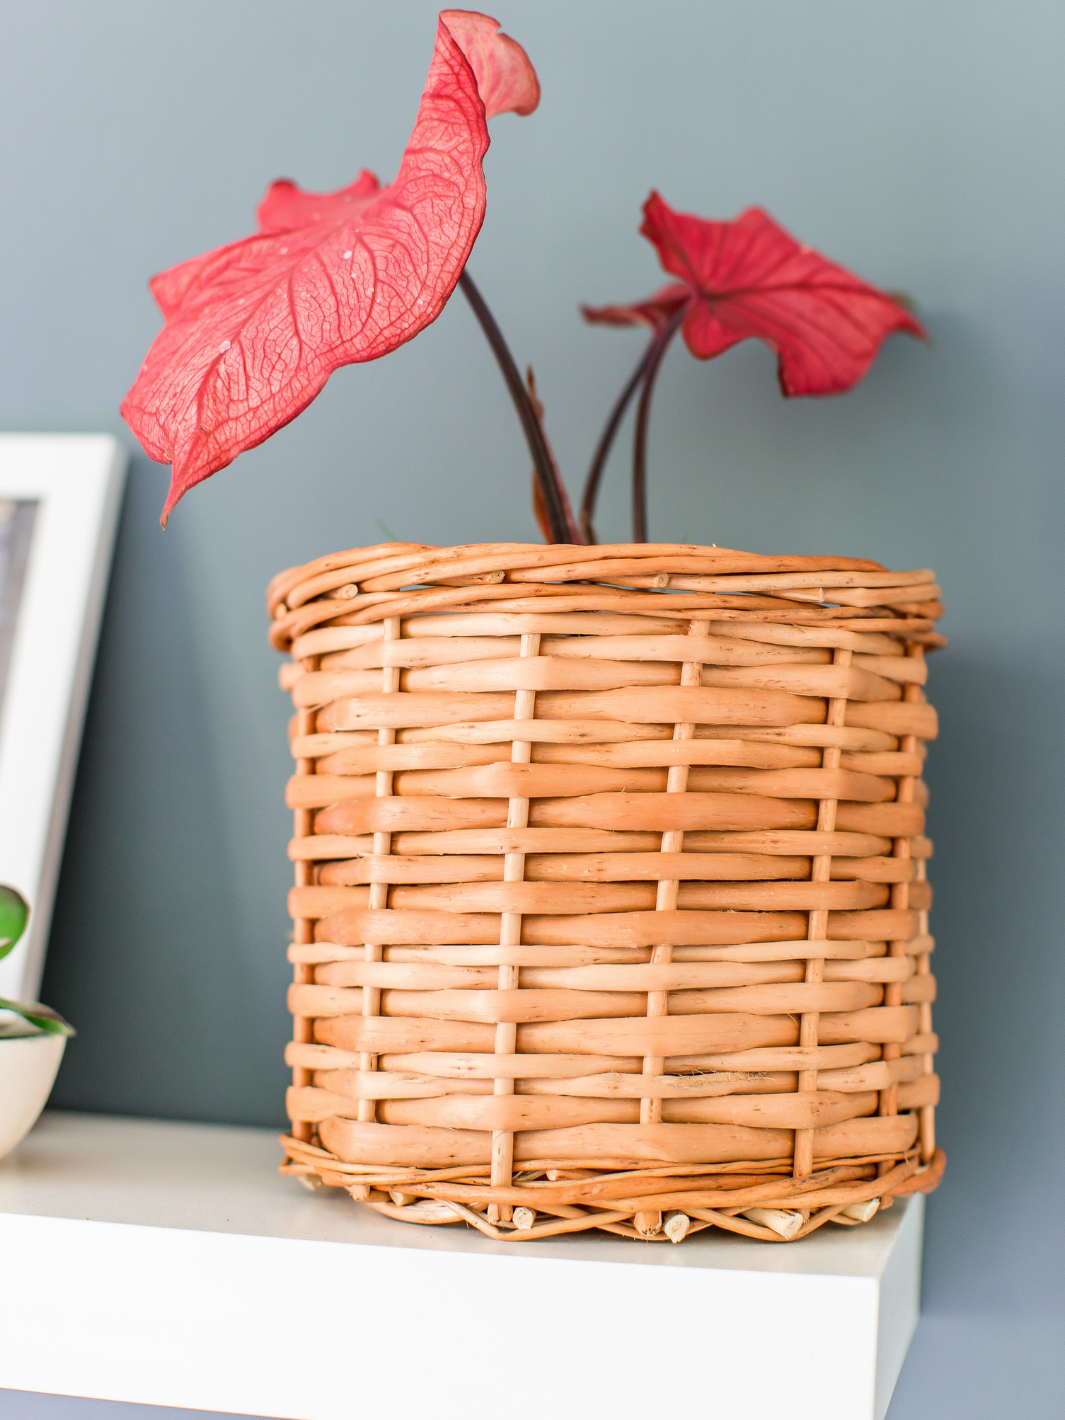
x=750, y=278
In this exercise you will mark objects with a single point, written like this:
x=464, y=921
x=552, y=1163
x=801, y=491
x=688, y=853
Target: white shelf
x=171, y=1264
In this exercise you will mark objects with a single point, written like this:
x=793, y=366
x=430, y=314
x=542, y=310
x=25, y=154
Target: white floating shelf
x=170, y=1264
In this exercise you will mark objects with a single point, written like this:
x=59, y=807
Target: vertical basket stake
x=649, y=1221
x=303, y=927
x=900, y=899
x=924, y=1011
x=382, y=847
x=510, y=936
x=820, y=872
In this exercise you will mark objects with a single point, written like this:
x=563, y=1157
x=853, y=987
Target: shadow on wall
x=995, y=818
x=169, y=1018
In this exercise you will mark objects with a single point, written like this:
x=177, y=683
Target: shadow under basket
x=611, y=907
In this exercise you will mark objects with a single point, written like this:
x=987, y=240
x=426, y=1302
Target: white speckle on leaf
x=224, y=345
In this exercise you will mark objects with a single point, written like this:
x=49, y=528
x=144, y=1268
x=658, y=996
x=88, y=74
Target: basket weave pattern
x=611, y=907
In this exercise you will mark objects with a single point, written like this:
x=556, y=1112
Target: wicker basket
x=610, y=905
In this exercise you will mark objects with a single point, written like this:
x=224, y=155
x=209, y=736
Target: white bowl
x=29, y=1060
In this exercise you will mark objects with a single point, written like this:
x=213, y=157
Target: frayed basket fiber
x=611, y=907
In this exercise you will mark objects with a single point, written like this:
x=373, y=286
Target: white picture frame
x=63, y=492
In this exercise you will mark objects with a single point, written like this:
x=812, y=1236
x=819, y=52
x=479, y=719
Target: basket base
x=666, y=1204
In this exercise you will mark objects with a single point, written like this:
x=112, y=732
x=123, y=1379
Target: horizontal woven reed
x=611, y=907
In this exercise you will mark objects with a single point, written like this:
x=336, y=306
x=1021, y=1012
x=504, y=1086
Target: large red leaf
x=750, y=278
x=254, y=330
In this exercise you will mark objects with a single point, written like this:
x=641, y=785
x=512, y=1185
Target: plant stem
x=538, y=409
x=652, y=361
x=602, y=452
x=546, y=476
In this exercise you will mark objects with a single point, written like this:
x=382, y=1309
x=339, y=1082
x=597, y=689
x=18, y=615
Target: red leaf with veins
x=254, y=330
x=750, y=278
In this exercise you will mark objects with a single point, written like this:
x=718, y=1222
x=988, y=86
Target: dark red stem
x=546, y=476
x=606, y=441
x=652, y=361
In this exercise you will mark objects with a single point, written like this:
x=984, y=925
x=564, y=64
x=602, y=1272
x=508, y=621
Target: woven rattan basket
x=610, y=905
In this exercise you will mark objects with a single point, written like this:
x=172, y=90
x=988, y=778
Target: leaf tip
x=506, y=79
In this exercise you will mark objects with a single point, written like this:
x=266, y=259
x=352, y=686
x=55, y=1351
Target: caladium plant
x=14, y=915
x=254, y=329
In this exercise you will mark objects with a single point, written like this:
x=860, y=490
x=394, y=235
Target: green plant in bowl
x=14, y=915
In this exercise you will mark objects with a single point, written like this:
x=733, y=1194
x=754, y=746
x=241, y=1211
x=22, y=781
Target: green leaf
x=14, y=914
x=43, y=1017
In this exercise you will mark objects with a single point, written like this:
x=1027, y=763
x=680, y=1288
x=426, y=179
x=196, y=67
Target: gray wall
x=920, y=144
